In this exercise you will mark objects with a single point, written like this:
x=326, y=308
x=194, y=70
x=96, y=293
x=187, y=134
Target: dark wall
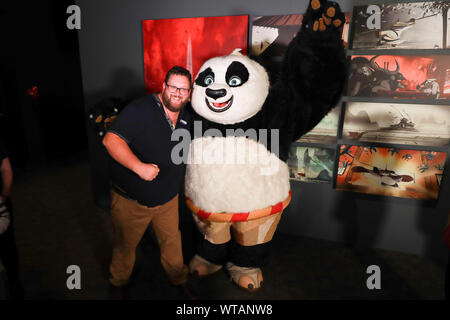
x=39, y=50
x=112, y=65
x=112, y=58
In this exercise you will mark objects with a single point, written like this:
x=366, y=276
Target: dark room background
x=38, y=50
x=75, y=69
x=112, y=65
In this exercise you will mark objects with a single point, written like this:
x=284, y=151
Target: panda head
x=230, y=89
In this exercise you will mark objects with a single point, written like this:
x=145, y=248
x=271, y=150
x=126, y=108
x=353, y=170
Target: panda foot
x=247, y=279
x=200, y=267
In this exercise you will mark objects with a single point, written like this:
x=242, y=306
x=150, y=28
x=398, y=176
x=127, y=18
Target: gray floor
x=57, y=225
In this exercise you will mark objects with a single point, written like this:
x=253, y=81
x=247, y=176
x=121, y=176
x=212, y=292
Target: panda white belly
x=234, y=174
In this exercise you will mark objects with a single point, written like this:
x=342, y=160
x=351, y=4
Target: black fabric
x=243, y=256
x=447, y=280
x=4, y=153
x=143, y=125
x=10, y=257
x=236, y=69
x=215, y=253
x=249, y=256
x=202, y=76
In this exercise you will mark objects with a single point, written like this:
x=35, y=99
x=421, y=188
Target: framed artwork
x=311, y=164
x=188, y=42
x=402, y=77
x=395, y=123
x=272, y=34
x=326, y=130
x=390, y=172
x=413, y=25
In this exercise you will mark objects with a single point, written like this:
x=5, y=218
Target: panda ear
x=237, y=51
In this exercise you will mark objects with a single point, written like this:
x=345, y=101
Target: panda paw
x=323, y=15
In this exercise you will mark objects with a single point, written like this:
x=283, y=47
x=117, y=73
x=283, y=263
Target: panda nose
x=216, y=94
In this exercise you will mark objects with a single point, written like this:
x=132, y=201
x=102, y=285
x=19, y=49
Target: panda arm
x=312, y=79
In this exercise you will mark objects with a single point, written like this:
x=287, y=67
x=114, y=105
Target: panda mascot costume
x=237, y=179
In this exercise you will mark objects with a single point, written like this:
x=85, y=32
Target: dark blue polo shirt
x=144, y=126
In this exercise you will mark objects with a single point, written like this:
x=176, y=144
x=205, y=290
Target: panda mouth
x=219, y=107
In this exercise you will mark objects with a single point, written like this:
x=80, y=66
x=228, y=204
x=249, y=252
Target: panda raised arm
x=313, y=73
x=233, y=92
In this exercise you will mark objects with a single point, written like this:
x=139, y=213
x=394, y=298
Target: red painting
x=409, y=77
x=391, y=172
x=188, y=42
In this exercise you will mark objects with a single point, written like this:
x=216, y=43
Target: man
x=145, y=181
x=8, y=249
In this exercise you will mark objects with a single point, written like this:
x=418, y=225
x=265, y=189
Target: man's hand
x=147, y=171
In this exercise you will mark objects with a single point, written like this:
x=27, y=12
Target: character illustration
x=430, y=87
x=368, y=78
x=384, y=79
x=407, y=157
x=237, y=180
x=393, y=35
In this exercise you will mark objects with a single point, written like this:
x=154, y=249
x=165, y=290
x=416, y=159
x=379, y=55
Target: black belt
x=126, y=195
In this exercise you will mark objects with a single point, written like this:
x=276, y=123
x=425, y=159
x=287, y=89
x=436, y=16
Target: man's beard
x=170, y=106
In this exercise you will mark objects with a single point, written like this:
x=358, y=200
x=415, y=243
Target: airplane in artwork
x=387, y=177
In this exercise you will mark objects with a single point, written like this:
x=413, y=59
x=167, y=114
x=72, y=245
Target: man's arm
x=7, y=178
x=121, y=152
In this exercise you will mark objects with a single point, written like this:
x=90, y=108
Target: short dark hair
x=178, y=71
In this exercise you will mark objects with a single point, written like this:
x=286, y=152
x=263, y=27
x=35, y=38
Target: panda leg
x=212, y=248
x=250, y=251
x=209, y=259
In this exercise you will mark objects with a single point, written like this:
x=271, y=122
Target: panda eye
x=234, y=81
x=237, y=74
x=209, y=80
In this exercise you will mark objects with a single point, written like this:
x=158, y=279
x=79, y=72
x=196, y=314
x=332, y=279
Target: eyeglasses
x=173, y=89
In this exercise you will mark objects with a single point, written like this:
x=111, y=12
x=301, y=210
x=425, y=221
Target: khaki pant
x=130, y=220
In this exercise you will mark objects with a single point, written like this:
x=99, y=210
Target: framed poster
x=390, y=172
x=413, y=25
x=395, y=123
x=188, y=42
x=311, y=164
x=271, y=36
x=326, y=130
x=407, y=77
